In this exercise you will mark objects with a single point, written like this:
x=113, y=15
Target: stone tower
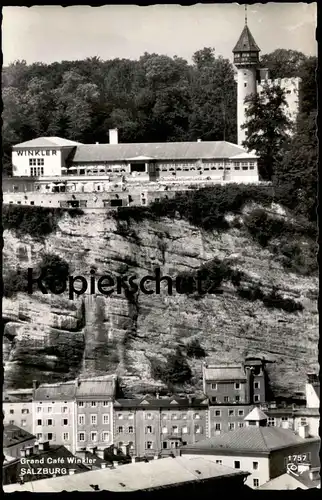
x=246, y=60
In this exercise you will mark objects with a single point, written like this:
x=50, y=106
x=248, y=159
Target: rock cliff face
x=50, y=337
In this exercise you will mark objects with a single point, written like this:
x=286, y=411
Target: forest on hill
x=160, y=98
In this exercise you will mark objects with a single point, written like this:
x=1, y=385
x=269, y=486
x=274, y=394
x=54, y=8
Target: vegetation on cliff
x=53, y=268
x=175, y=371
x=153, y=99
x=34, y=221
x=290, y=237
x=215, y=272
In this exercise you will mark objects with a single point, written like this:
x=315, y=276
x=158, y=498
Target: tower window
x=245, y=84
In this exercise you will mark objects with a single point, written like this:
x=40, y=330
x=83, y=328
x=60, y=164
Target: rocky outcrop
x=50, y=337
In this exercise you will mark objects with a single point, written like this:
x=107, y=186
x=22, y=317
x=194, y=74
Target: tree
x=267, y=127
x=204, y=57
x=177, y=369
x=213, y=98
x=74, y=109
x=308, y=86
x=283, y=63
x=195, y=350
x=55, y=270
x=296, y=175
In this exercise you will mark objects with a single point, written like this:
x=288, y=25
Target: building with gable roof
x=64, y=173
x=54, y=418
x=263, y=451
x=15, y=439
x=307, y=480
x=94, y=398
x=179, y=475
x=17, y=408
x=159, y=426
x=252, y=79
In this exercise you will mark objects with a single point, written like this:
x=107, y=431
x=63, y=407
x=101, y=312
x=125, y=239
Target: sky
x=53, y=33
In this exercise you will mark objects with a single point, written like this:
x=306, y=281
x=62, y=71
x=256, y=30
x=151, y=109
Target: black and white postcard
x=159, y=183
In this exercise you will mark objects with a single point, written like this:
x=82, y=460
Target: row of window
x=36, y=171
x=36, y=161
x=81, y=404
x=40, y=409
x=164, y=416
x=24, y=411
x=231, y=426
x=93, y=419
x=81, y=420
x=237, y=386
x=105, y=436
x=50, y=421
x=165, y=430
x=52, y=437
x=236, y=399
x=231, y=413
x=93, y=436
x=92, y=404
x=271, y=421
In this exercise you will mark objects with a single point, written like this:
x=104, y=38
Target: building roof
x=249, y=439
x=290, y=482
x=53, y=456
x=224, y=373
x=62, y=391
x=45, y=142
x=98, y=386
x=104, y=386
x=13, y=435
x=256, y=415
x=306, y=412
x=166, y=403
x=316, y=388
x=93, y=459
x=159, y=151
x=17, y=396
x=134, y=477
x=246, y=42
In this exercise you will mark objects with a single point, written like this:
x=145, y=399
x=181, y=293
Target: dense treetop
x=160, y=98
x=153, y=99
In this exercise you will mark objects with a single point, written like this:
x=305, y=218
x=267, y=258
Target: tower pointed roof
x=256, y=415
x=246, y=42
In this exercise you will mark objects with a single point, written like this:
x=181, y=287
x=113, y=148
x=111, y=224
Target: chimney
x=198, y=140
x=113, y=135
x=43, y=445
x=115, y=464
x=158, y=395
x=96, y=142
x=264, y=74
x=314, y=474
x=81, y=453
x=303, y=431
x=29, y=450
x=100, y=453
x=133, y=460
x=103, y=465
x=71, y=472
x=124, y=449
x=23, y=452
x=156, y=457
